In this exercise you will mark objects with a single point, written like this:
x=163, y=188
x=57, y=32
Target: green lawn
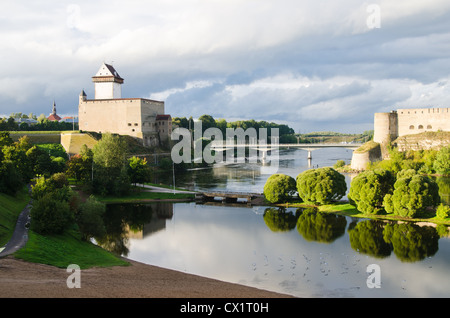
x=65, y=249
x=137, y=196
x=10, y=208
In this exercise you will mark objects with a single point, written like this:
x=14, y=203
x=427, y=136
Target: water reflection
x=410, y=242
x=297, y=251
x=125, y=221
x=320, y=227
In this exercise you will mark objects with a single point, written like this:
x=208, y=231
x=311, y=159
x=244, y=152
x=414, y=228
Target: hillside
x=424, y=141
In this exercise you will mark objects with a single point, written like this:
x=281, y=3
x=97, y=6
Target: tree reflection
x=444, y=189
x=278, y=220
x=319, y=226
x=411, y=242
x=119, y=220
x=367, y=237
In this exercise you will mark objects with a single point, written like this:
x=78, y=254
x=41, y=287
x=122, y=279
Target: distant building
x=69, y=119
x=109, y=112
x=53, y=116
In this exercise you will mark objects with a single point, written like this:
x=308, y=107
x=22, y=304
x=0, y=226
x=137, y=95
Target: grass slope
x=10, y=208
x=65, y=249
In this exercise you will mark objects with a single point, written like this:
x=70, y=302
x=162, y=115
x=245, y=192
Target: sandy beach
x=20, y=279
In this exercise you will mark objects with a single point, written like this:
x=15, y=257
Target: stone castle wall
x=389, y=126
x=416, y=121
x=135, y=117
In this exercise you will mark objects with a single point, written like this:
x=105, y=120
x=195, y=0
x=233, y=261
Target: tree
x=50, y=215
x=412, y=195
x=138, y=170
x=207, y=122
x=10, y=178
x=57, y=185
x=279, y=187
x=110, y=173
x=321, y=185
x=367, y=190
x=442, y=162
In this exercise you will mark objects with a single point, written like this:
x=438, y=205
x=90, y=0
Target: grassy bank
x=345, y=208
x=146, y=196
x=65, y=249
x=10, y=208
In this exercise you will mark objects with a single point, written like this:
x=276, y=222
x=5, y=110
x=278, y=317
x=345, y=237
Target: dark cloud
x=313, y=65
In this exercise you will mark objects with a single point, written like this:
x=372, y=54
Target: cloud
x=313, y=64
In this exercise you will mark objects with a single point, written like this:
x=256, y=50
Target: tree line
x=43, y=124
x=286, y=133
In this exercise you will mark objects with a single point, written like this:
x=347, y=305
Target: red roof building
x=53, y=116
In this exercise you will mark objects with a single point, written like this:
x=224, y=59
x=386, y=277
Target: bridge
x=226, y=197
x=265, y=148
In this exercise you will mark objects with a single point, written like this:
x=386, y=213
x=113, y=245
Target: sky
x=320, y=65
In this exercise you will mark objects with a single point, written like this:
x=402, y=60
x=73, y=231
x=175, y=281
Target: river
x=293, y=251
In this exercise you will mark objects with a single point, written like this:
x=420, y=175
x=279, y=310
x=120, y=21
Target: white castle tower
x=108, y=83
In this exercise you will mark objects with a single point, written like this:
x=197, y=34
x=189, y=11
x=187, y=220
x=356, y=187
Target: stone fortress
x=389, y=127
x=141, y=118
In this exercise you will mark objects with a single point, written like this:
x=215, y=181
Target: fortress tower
x=385, y=127
x=107, y=82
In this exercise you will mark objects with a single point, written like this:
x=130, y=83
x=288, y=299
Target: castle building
x=109, y=112
x=402, y=122
x=389, y=127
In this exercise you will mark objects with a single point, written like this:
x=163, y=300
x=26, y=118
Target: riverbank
x=21, y=279
x=346, y=209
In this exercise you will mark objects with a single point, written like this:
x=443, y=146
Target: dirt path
x=28, y=280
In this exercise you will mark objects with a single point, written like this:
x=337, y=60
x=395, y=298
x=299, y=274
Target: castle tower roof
x=107, y=73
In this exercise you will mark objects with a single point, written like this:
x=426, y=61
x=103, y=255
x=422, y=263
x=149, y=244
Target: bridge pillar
x=309, y=154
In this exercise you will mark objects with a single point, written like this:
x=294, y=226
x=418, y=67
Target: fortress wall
x=415, y=121
x=360, y=160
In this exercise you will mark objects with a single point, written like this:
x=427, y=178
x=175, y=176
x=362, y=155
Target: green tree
x=207, y=122
x=10, y=178
x=442, y=162
x=367, y=190
x=321, y=185
x=412, y=195
x=109, y=171
x=50, y=215
x=279, y=187
x=138, y=170
x=57, y=185
x=443, y=211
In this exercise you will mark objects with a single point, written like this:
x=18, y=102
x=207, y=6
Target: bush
x=442, y=162
x=50, y=215
x=321, y=185
x=279, y=187
x=443, y=211
x=339, y=164
x=368, y=189
x=411, y=196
